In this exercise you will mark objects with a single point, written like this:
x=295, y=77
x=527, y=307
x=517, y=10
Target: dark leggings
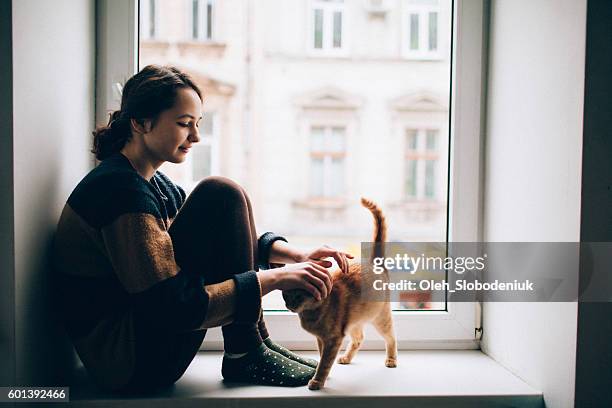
x=214, y=233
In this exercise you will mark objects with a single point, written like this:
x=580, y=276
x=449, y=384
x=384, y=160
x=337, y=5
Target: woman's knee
x=220, y=187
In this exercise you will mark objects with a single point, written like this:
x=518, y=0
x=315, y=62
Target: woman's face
x=176, y=129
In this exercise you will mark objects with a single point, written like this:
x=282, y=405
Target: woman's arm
x=283, y=253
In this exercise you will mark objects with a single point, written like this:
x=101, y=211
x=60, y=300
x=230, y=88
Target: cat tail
x=380, y=227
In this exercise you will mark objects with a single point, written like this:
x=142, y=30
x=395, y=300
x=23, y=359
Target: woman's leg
x=214, y=233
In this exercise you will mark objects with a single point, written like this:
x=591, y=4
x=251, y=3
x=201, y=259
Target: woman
x=141, y=281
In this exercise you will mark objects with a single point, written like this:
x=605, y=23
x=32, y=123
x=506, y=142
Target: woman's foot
x=266, y=367
x=289, y=354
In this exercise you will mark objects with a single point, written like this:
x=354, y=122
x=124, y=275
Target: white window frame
x=203, y=28
x=422, y=52
x=451, y=329
x=328, y=50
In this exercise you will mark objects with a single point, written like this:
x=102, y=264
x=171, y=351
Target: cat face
x=298, y=300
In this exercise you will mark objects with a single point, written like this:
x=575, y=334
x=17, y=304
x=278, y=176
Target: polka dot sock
x=289, y=354
x=266, y=367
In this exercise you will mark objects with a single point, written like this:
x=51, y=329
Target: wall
x=594, y=352
x=7, y=281
x=533, y=177
x=53, y=114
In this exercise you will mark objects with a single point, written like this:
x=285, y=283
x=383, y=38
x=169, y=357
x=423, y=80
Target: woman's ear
x=141, y=126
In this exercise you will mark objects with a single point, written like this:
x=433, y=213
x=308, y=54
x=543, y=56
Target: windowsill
x=433, y=378
x=315, y=203
x=201, y=48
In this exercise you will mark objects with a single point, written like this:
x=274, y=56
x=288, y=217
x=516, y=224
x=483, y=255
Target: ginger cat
x=344, y=311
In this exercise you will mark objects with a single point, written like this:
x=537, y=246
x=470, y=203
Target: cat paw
x=344, y=360
x=315, y=384
x=391, y=363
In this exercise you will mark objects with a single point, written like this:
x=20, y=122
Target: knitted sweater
x=115, y=268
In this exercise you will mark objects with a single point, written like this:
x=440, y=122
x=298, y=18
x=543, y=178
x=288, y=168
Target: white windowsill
x=431, y=378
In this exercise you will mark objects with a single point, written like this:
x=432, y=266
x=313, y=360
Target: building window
x=327, y=33
x=201, y=20
x=327, y=154
x=204, y=154
x=420, y=29
x=421, y=164
x=149, y=11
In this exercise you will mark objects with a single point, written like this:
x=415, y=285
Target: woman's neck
x=140, y=160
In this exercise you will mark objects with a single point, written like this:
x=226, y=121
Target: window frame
x=422, y=52
x=203, y=7
x=327, y=49
x=451, y=329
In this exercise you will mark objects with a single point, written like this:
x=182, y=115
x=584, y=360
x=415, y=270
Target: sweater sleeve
x=264, y=246
x=141, y=253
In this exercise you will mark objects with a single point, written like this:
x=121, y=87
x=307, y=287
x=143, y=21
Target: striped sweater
x=116, y=272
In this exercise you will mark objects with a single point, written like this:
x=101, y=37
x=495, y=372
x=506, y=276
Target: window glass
x=318, y=28
x=308, y=134
x=337, y=176
x=337, y=29
x=410, y=177
x=431, y=139
x=433, y=31
x=316, y=177
x=202, y=161
x=414, y=31
x=195, y=18
x=411, y=139
x=430, y=178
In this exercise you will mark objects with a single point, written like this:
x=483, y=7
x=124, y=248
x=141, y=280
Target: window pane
x=430, y=166
x=335, y=142
x=317, y=139
x=433, y=31
x=319, y=116
x=209, y=22
x=414, y=31
x=337, y=29
x=201, y=159
x=336, y=177
x=195, y=19
x=207, y=124
x=410, y=178
x=316, y=177
x=432, y=135
x=318, y=28
x=411, y=140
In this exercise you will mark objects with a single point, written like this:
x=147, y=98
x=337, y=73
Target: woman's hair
x=145, y=95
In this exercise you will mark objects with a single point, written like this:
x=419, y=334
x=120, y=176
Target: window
x=204, y=157
x=421, y=163
x=268, y=134
x=327, y=153
x=148, y=19
x=201, y=22
x=420, y=29
x=327, y=32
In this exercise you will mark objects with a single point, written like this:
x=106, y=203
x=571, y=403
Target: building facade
x=312, y=104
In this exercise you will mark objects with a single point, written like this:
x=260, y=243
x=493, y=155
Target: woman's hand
x=342, y=258
x=311, y=276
